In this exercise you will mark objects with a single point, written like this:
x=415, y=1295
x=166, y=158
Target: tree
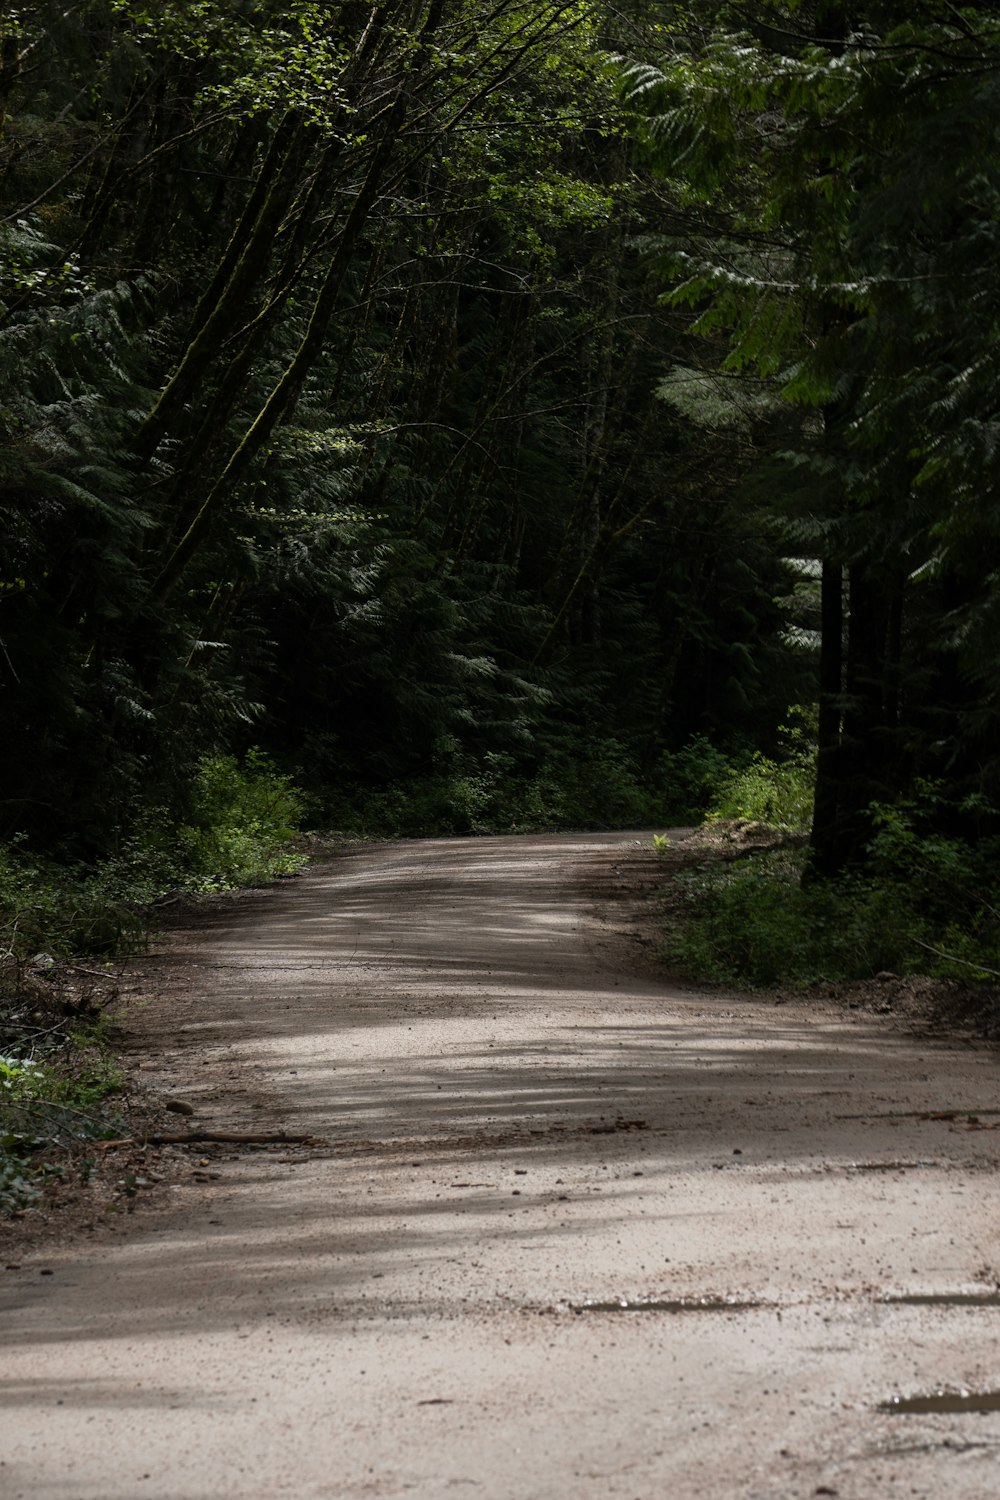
x=328, y=412
x=839, y=163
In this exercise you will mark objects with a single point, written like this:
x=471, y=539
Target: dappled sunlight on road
x=509, y=1125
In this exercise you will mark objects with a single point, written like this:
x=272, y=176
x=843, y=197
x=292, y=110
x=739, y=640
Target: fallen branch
x=225, y=1137
x=953, y=958
x=94, y=973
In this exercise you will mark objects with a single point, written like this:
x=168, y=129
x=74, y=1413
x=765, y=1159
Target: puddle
x=942, y=1401
x=944, y=1299
x=665, y=1305
x=890, y=1166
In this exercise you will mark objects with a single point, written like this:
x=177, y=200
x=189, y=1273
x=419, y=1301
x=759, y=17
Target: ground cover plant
x=66, y=928
x=57, y=1094
x=750, y=908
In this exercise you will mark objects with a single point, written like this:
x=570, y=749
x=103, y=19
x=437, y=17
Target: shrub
x=689, y=779
x=754, y=923
x=775, y=793
x=243, y=820
x=778, y=794
x=927, y=901
x=700, y=780
x=57, y=910
x=937, y=848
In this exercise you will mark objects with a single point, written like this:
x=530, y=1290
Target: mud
x=667, y=1305
x=944, y=1403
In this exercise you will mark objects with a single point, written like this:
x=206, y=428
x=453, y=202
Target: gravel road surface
x=572, y=1233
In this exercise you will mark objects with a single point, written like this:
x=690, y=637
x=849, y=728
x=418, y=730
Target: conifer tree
x=839, y=163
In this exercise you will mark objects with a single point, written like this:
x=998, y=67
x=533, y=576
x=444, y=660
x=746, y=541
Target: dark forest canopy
x=342, y=410
x=836, y=171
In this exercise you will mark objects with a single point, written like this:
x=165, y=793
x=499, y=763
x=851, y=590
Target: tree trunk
x=284, y=395
x=824, y=845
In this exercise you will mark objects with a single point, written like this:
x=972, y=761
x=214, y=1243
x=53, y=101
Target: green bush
x=58, y=910
x=242, y=822
x=928, y=901
x=689, y=779
x=947, y=855
x=244, y=818
x=606, y=788
x=775, y=793
x=754, y=923
x=700, y=780
x=19, y=1178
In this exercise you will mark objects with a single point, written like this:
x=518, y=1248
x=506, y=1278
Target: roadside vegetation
x=748, y=908
x=65, y=931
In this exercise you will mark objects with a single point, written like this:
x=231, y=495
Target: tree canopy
x=836, y=177
x=328, y=418
x=433, y=390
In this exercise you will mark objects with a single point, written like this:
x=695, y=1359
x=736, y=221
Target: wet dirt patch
x=943, y=1299
x=946, y=1403
x=485, y=1141
x=972, y=1118
x=667, y=1305
x=891, y=1166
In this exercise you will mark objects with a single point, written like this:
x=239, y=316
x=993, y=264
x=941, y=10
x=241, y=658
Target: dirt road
x=574, y=1234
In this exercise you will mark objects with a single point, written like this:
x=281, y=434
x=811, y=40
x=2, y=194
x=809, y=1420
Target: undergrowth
x=58, y=1074
x=922, y=903
x=578, y=781
x=237, y=830
x=55, y=1092
x=755, y=923
x=590, y=784
x=776, y=793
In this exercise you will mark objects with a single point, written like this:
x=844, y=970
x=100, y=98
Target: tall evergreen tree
x=839, y=165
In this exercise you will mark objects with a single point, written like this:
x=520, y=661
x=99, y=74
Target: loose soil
x=571, y=1230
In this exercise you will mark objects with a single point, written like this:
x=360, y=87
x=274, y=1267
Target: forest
x=454, y=417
